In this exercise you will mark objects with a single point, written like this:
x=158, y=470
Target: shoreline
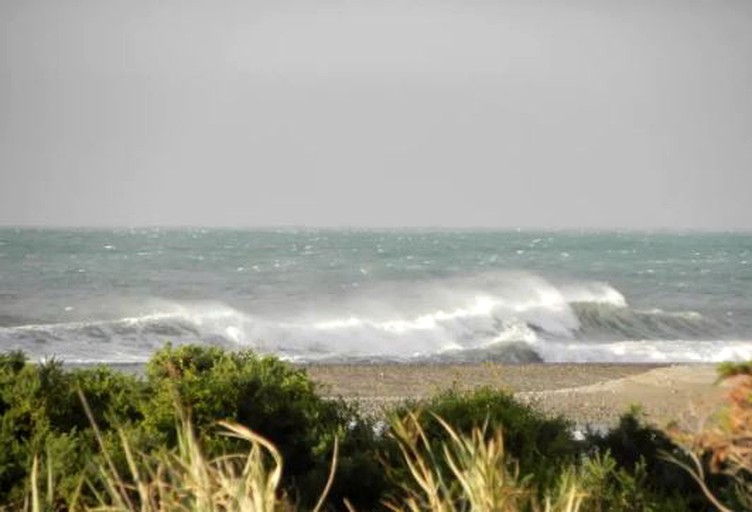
x=585, y=393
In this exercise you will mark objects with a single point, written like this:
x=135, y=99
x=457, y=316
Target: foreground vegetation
x=206, y=429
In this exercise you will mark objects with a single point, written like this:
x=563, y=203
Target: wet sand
x=585, y=393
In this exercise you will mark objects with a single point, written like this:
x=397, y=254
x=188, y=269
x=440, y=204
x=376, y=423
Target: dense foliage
x=542, y=446
x=43, y=415
x=624, y=469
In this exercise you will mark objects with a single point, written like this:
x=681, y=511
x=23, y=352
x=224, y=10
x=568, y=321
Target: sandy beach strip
x=585, y=393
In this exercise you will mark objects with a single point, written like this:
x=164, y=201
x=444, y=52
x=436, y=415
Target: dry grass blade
x=330, y=478
x=570, y=495
x=481, y=477
x=35, y=502
x=481, y=469
x=256, y=487
x=419, y=458
x=187, y=480
x=698, y=475
x=116, y=487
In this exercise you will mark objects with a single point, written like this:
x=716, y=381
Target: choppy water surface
x=325, y=295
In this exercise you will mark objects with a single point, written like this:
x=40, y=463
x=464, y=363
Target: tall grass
x=182, y=480
x=481, y=477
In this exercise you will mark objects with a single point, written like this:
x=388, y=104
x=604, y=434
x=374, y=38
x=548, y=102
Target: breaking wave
x=506, y=319
x=605, y=322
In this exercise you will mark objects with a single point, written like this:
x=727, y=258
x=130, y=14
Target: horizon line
x=406, y=228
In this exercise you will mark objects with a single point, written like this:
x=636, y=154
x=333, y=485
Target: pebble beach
x=594, y=394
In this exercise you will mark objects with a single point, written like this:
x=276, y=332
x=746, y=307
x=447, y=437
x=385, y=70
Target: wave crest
x=510, y=318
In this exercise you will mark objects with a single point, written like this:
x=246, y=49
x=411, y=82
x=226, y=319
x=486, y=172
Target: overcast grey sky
x=453, y=113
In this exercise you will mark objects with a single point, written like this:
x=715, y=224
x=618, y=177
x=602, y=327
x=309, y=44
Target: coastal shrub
x=732, y=369
x=471, y=472
x=41, y=413
x=611, y=488
x=44, y=427
x=360, y=477
x=42, y=416
x=12, y=361
x=36, y=418
x=277, y=401
x=181, y=479
x=542, y=446
x=623, y=470
x=641, y=474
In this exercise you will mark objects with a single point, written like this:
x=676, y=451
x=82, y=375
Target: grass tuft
x=480, y=477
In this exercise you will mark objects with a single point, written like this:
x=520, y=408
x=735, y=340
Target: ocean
x=306, y=295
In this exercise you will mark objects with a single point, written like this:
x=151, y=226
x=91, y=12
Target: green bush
x=542, y=446
x=613, y=488
x=41, y=414
x=624, y=470
x=275, y=400
x=639, y=456
x=729, y=369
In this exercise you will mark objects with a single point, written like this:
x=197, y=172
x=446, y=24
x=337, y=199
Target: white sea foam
x=587, y=322
x=646, y=351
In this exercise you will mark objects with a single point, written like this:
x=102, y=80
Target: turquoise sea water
x=327, y=295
